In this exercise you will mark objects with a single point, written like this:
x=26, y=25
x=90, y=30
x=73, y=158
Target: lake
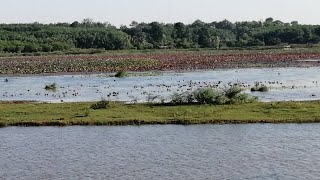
x=257, y=151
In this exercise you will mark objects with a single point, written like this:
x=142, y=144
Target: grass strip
x=66, y=114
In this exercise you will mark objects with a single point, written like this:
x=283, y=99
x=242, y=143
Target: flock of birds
x=112, y=91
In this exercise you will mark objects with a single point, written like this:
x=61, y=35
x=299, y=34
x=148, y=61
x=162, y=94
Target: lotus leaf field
x=171, y=60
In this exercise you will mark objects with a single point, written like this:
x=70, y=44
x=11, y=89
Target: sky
x=123, y=12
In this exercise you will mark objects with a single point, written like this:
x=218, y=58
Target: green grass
x=42, y=114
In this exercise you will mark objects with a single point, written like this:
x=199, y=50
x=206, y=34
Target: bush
x=46, y=48
x=102, y=104
x=183, y=98
x=243, y=98
x=206, y=95
x=221, y=100
x=236, y=96
x=59, y=46
x=121, y=74
x=211, y=96
x=30, y=48
x=232, y=91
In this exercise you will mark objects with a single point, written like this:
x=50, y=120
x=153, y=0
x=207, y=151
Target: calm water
x=161, y=152
x=286, y=84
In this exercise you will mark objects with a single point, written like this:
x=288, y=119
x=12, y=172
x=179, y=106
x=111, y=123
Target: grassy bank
x=35, y=114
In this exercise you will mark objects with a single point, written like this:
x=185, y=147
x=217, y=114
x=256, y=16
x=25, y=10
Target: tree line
x=87, y=34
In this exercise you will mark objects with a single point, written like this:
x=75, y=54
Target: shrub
x=177, y=98
x=102, y=104
x=211, y=96
x=232, y=92
x=243, y=98
x=121, y=74
x=206, y=95
x=236, y=96
x=51, y=87
x=183, y=98
x=221, y=100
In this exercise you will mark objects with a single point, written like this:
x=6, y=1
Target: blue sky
x=119, y=12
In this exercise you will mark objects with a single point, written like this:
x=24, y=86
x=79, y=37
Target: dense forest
x=87, y=34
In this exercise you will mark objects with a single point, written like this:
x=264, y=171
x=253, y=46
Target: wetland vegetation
x=150, y=48
x=156, y=61
x=213, y=96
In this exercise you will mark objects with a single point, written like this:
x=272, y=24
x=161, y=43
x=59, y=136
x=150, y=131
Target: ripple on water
x=161, y=152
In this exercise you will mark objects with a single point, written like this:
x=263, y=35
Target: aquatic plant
x=51, y=87
x=260, y=88
x=155, y=61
